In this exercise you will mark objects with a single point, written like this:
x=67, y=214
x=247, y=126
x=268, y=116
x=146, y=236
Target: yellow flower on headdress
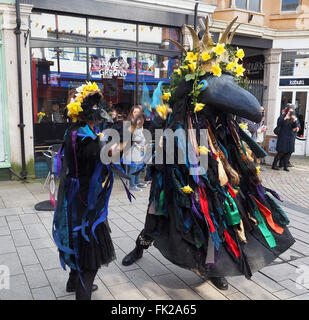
x=163, y=110
x=41, y=114
x=240, y=70
x=258, y=170
x=203, y=150
x=187, y=189
x=231, y=65
x=74, y=108
x=219, y=49
x=216, y=70
x=192, y=66
x=243, y=126
x=191, y=57
x=184, y=67
x=166, y=96
x=205, y=56
x=198, y=107
x=240, y=53
x=178, y=71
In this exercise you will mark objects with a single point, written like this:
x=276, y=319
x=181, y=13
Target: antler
x=196, y=40
x=207, y=39
x=233, y=34
x=227, y=31
x=177, y=44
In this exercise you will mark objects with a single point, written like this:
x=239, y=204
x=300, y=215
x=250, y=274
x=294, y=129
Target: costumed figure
x=80, y=227
x=217, y=220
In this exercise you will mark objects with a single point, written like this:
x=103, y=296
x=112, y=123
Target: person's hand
x=263, y=119
x=293, y=118
x=264, y=129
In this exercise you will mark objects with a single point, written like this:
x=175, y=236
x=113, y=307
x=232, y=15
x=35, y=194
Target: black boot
x=274, y=165
x=72, y=282
x=219, y=282
x=133, y=256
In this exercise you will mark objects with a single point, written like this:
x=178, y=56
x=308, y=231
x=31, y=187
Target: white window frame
x=247, y=6
x=290, y=11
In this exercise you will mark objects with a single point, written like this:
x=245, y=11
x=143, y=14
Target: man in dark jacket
x=289, y=126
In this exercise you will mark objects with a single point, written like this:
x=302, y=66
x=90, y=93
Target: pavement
x=27, y=249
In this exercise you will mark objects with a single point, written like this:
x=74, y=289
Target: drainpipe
x=195, y=14
x=21, y=125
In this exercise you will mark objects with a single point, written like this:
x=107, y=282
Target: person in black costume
x=80, y=227
x=289, y=126
x=216, y=220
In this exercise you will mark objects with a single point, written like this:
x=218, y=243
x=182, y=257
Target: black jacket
x=286, y=137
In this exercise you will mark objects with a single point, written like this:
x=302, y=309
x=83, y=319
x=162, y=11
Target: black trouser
x=283, y=157
x=83, y=292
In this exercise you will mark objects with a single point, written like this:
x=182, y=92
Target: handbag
x=277, y=130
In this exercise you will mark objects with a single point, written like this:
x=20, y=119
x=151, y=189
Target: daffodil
x=191, y=57
x=192, y=66
x=240, y=70
x=243, y=126
x=166, y=96
x=240, y=53
x=205, y=56
x=163, y=110
x=198, y=107
x=219, y=49
x=203, y=150
x=187, y=189
x=216, y=70
x=74, y=108
x=184, y=67
x=178, y=71
x=258, y=170
x=231, y=66
x=41, y=114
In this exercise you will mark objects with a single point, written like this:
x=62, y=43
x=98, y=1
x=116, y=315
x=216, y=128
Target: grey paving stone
x=10, y=212
x=265, y=282
x=19, y=289
x=284, y=294
x=15, y=225
x=209, y=292
x=27, y=255
x=151, y=265
x=250, y=288
x=126, y=291
x=6, y=245
x=126, y=244
x=42, y=243
x=146, y=285
x=12, y=261
x=20, y=238
x=4, y=231
x=49, y=258
x=290, y=255
x=3, y=222
x=58, y=279
x=175, y=288
x=279, y=272
x=123, y=225
x=293, y=287
x=301, y=297
x=44, y=293
x=112, y=275
x=237, y=296
x=28, y=210
x=13, y=218
x=35, y=231
x=36, y=276
x=116, y=231
x=301, y=247
x=187, y=276
x=29, y=219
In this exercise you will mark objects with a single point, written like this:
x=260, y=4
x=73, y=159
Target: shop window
x=289, y=5
x=43, y=25
x=71, y=28
x=100, y=31
x=295, y=63
x=115, y=70
x=251, y=5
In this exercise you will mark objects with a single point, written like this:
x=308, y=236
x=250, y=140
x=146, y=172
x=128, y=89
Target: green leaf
x=189, y=77
x=202, y=73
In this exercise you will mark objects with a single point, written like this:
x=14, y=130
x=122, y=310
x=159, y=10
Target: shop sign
x=294, y=82
x=109, y=68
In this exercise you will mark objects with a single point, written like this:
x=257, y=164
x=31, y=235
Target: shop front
x=127, y=60
x=294, y=88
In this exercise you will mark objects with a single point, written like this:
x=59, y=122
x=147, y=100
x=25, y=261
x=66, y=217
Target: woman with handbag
x=289, y=126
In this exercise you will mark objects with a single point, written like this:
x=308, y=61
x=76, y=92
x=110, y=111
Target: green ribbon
x=231, y=211
x=160, y=211
x=263, y=227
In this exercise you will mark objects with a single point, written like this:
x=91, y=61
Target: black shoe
x=219, y=282
x=72, y=288
x=275, y=168
x=133, y=256
x=286, y=169
x=290, y=165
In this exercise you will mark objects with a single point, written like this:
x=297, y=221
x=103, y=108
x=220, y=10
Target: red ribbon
x=205, y=210
x=232, y=244
x=231, y=191
x=267, y=213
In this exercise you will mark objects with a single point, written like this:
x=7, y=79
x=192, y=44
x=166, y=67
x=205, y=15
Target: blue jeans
x=134, y=180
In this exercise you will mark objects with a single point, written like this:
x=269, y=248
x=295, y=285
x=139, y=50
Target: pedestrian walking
x=288, y=125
